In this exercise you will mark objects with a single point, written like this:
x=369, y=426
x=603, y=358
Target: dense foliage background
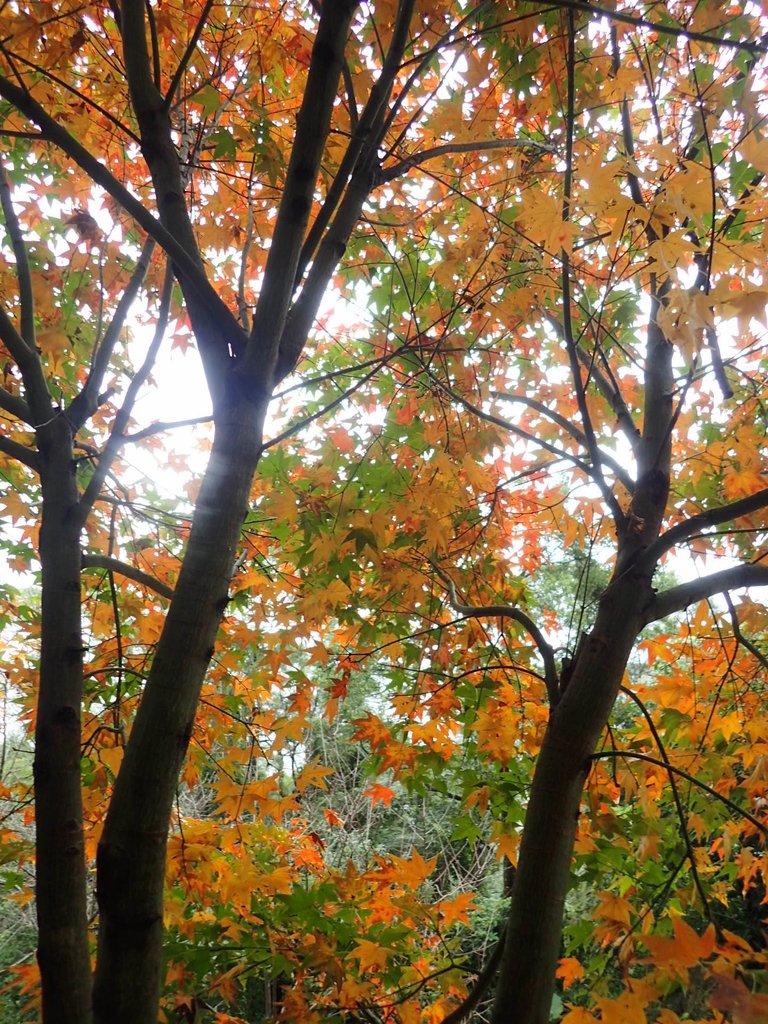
x=383, y=427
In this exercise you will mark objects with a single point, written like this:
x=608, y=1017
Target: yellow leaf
x=53, y=343
x=578, y=1015
x=613, y=908
x=111, y=757
x=313, y=774
x=371, y=955
x=629, y=1008
x=755, y=151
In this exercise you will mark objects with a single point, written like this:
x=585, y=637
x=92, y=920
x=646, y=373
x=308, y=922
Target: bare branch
x=677, y=598
x=109, y=564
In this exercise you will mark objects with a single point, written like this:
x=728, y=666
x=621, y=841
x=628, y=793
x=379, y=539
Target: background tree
x=547, y=217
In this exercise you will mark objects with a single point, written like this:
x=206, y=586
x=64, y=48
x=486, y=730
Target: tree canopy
x=415, y=670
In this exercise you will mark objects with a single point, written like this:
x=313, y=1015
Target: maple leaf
x=579, y=1015
x=613, y=908
x=628, y=1008
x=371, y=955
x=377, y=793
x=685, y=950
x=569, y=970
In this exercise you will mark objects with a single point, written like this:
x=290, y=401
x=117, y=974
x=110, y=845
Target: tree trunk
x=131, y=854
x=534, y=926
x=63, y=952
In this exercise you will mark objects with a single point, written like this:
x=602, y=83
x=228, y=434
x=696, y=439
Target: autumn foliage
x=383, y=489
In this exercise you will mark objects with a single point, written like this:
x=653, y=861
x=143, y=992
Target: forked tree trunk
x=63, y=952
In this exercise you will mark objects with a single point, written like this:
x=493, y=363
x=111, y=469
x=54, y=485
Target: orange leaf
x=378, y=792
x=569, y=970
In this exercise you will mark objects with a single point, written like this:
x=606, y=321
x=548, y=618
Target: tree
x=549, y=214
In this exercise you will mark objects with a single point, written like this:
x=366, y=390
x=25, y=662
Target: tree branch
x=695, y=523
x=26, y=299
x=654, y=26
x=115, y=442
x=28, y=362
x=84, y=404
x=368, y=130
x=608, y=388
x=407, y=163
x=684, y=829
x=217, y=331
x=312, y=127
x=59, y=136
x=16, y=406
x=481, y=986
x=617, y=469
x=187, y=55
x=677, y=598
x=304, y=309
x=162, y=426
x=637, y=756
x=508, y=611
x=144, y=579
x=20, y=452
x=753, y=649
x=570, y=343
x=499, y=421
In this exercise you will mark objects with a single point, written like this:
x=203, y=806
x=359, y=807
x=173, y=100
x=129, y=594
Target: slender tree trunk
x=534, y=927
x=131, y=855
x=63, y=952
